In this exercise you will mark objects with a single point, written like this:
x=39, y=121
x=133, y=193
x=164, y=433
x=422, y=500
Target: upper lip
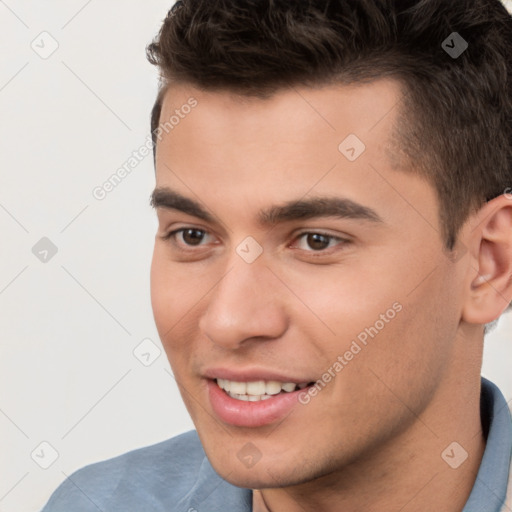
x=252, y=374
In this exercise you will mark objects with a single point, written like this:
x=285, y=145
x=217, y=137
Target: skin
x=372, y=438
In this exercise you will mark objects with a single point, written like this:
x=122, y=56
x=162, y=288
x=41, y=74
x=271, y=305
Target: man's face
x=356, y=294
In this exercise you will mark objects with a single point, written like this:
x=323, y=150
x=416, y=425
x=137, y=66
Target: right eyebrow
x=169, y=199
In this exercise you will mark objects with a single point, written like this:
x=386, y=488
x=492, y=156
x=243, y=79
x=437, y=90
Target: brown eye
x=192, y=236
x=317, y=241
x=322, y=243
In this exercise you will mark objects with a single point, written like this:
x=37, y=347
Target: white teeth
x=245, y=398
x=249, y=398
x=273, y=387
x=240, y=388
x=257, y=390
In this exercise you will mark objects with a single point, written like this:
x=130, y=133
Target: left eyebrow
x=318, y=207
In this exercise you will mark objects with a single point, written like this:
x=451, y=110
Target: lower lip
x=251, y=414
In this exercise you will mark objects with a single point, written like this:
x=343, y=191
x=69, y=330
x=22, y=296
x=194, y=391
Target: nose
x=247, y=304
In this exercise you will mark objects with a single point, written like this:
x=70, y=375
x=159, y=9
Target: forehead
x=249, y=152
x=297, y=123
x=328, y=108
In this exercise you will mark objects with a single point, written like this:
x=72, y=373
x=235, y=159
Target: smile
x=257, y=390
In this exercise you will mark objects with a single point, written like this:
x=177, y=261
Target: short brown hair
x=455, y=122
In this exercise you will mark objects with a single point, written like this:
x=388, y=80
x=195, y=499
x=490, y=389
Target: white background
x=68, y=375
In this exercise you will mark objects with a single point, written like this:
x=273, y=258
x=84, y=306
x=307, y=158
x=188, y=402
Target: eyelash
x=321, y=252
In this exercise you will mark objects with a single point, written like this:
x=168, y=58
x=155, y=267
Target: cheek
x=170, y=299
x=412, y=352
x=160, y=284
x=402, y=321
x=178, y=292
x=342, y=301
x=174, y=290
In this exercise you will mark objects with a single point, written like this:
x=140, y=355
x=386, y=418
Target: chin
x=265, y=474
x=263, y=478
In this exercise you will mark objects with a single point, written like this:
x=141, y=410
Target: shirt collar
x=490, y=488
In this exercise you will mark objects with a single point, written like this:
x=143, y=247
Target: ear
x=489, y=290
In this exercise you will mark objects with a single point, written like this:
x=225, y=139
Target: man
x=333, y=191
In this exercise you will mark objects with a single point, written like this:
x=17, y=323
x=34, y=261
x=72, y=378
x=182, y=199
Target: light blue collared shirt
x=176, y=476
x=490, y=488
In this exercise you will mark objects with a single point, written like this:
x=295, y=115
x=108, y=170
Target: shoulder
x=153, y=475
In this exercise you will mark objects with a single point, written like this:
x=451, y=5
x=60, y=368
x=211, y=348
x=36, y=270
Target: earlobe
x=490, y=283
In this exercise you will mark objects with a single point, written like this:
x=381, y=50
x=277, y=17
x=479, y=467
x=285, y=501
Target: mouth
x=254, y=397
x=256, y=391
